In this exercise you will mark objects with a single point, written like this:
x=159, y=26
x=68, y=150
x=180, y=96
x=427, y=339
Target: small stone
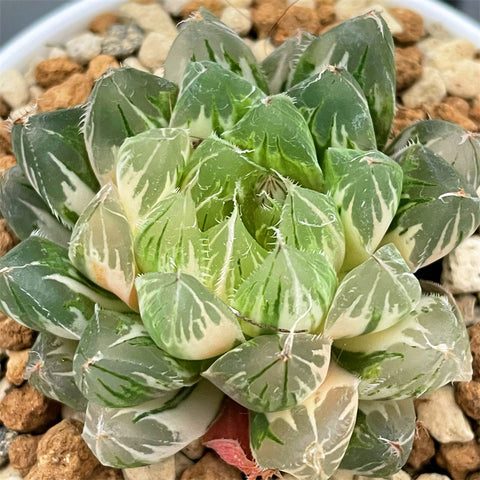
x=122, y=40
x=5, y=139
x=151, y=17
x=163, y=470
x=17, y=362
x=346, y=9
x=446, y=112
x=144, y=2
x=430, y=88
x=182, y=462
x=449, y=52
x=84, y=47
x=265, y=16
x=404, y=117
x=412, y=25
x=101, y=23
x=13, y=88
x=155, y=49
x=262, y=48
x=27, y=410
x=134, y=62
x=57, y=52
x=293, y=19
x=106, y=473
x=338, y=475
x=4, y=108
x=461, y=267
x=99, y=65
x=461, y=79
x=408, y=66
x=6, y=438
x=174, y=7
x=74, y=91
x=325, y=11
x=5, y=388
x=23, y=452
x=467, y=395
x=240, y=3
x=423, y=449
x=401, y=475
x=474, y=112
x=238, y=19
x=442, y=417
x=459, y=104
x=36, y=92
x=474, y=333
x=215, y=6
x=54, y=71
x=13, y=335
x=6, y=162
x=459, y=459
x=9, y=473
x=7, y=238
x=432, y=476
x=466, y=304
x=211, y=467
x=29, y=74
x=194, y=450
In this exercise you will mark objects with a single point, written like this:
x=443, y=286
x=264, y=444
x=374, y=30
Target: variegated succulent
x=242, y=230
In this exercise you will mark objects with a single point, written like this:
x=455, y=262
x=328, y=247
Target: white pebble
x=13, y=88
x=428, y=44
x=437, y=30
x=393, y=24
x=134, y=62
x=10, y=473
x=154, y=49
x=151, y=17
x=5, y=387
x=401, y=475
x=194, y=450
x=238, y=19
x=159, y=72
x=447, y=53
x=462, y=79
x=461, y=267
x=84, y=47
x=262, y=49
x=240, y=3
x=35, y=92
x=443, y=418
x=343, y=475
x=346, y=9
x=56, y=52
x=174, y=7
x=429, y=89
x=432, y=476
x=29, y=74
x=163, y=470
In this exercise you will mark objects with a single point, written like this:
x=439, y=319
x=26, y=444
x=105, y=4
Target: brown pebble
x=106, y=473
x=404, y=117
x=446, y=112
x=265, y=16
x=473, y=476
x=27, y=410
x=16, y=365
x=101, y=23
x=412, y=25
x=466, y=303
x=294, y=19
x=215, y=6
x=14, y=336
x=72, y=92
x=211, y=466
x=474, y=112
x=100, y=64
x=5, y=139
x=7, y=238
x=7, y=161
x=22, y=452
x=63, y=454
x=459, y=104
x=55, y=71
x=474, y=333
x=4, y=108
x=459, y=459
x=467, y=396
x=423, y=449
x=325, y=11
x=408, y=66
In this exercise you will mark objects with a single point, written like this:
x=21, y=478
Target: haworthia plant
x=234, y=229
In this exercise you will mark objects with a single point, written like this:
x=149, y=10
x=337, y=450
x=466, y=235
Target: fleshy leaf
x=291, y=290
x=184, y=318
x=388, y=361
x=382, y=438
x=145, y=434
x=124, y=102
x=366, y=187
x=101, y=246
x=26, y=212
x=335, y=109
x=50, y=149
x=149, y=167
x=212, y=99
x=277, y=137
x=204, y=37
x=41, y=289
x=50, y=370
x=373, y=296
x=272, y=372
x=309, y=440
x=117, y=364
x=364, y=46
x=438, y=209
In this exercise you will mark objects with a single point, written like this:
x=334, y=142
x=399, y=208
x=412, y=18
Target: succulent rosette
x=239, y=230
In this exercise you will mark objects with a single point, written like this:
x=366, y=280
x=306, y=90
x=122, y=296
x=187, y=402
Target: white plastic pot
x=75, y=17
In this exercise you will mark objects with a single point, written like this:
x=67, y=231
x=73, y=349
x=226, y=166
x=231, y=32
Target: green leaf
x=373, y=296
x=276, y=136
x=335, y=109
x=50, y=370
x=438, y=209
x=272, y=372
x=117, y=364
x=147, y=433
x=212, y=99
x=149, y=167
x=184, y=318
x=364, y=46
x=41, y=289
x=309, y=440
x=204, y=37
x=382, y=439
x=123, y=103
x=50, y=149
x=366, y=188
x=388, y=361
x=291, y=290
x=25, y=211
